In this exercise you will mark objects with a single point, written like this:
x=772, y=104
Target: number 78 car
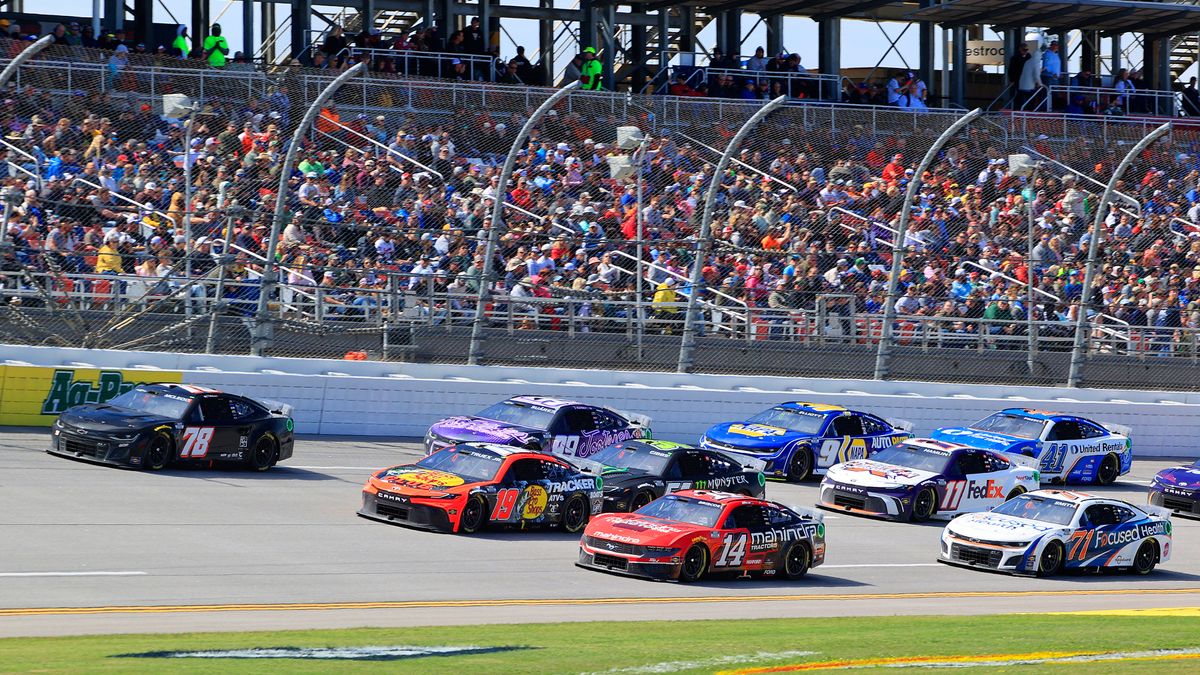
x=1069, y=449
x=1047, y=531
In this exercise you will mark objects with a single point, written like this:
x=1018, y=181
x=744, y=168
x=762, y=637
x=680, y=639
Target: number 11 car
x=690, y=534
x=153, y=425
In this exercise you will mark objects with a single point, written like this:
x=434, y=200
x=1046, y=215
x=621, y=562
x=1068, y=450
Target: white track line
x=346, y=468
x=73, y=574
x=881, y=565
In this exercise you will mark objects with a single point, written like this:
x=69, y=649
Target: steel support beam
x=829, y=53
x=301, y=25
x=198, y=30
x=589, y=18
x=926, y=47
x=687, y=30
x=608, y=37
x=733, y=32
x=640, y=54
x=143, y=22
x=247, y=28
x=1064, y=53
x=445, y=19
x=1115, y=61
x=546, y=44
x=368, y=12
x=114, y=14
x=958, y=74
x=774, y=34
x=266, y=30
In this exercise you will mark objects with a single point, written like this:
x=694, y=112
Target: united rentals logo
x=66, y=392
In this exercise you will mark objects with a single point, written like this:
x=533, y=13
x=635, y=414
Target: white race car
x=1044, y=532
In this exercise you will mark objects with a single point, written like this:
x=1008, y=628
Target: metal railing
x=1127, y=101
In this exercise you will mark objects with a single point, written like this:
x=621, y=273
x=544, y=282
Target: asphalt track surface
x=93, y=549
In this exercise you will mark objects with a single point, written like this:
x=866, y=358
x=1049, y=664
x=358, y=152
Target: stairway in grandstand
x=1185, y=50
x=386, y=21
x=627, y=63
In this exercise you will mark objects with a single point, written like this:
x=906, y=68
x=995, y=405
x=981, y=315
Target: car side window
x=673, y=472
x=778, y=517
x=872, y=426
x=720, y=466
x=1105, y=514
x=606, y=420
x=554, y=470
x=693, y=465
x=847, y=425
x=994, y=463
x=747, y=516
x=1123, y=514
x=527, y=471
x=215, y=410
x=971, y=463
x=1091, y=431
x=1064, y=431
x=241, y=409
x=580, y=420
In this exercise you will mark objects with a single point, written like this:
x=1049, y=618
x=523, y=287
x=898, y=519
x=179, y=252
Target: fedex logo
x=988, y=490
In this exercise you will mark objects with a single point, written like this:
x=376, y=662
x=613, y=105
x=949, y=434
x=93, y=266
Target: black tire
x=1110, y=468
x=1015, y=492
x=575, y=513
x=800, y=466
x=639, y=500
x=264, y=454
x=158, y=453
x=796, y=561
x=924, y=505
x=474, y=515
x=1146, y=559
x=1050, y=562
x=694, y=565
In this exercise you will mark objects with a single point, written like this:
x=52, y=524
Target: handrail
x=262, y=259
x=37, y=162
x=125, y=199
x=1045, y=293
x=386, y=148
x=1122, y=195
x=335, y=139
x=473, y=61
x=829, y=219
x=1124, y=95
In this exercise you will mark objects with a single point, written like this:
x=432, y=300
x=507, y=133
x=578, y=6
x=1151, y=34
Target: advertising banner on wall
x=35, y=395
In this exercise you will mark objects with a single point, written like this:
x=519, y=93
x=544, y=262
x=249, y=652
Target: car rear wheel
x=158, y=453
x=264, y=454
x=1015, y=492
x=801, y=466
x=924, y=505
x=1051, y=561
x=796, y=561
x=695, y=564
x=1110, y=468
x=1146, y=558
x=575, y=513
x=473, y=516
x=639, y=500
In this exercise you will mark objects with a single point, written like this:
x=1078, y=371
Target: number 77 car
x=1068, y=449
x=690, y=534
x=1047, y=531
x=154, y=425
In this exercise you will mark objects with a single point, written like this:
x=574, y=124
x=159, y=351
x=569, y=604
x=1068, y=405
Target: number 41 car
x=689, y=534
x=153, y=425
x=1069, y=449
x=1047, y=531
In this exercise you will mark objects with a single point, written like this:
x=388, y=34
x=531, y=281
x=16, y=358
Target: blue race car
x=1069, y=449
x=798, y=439
x=1178, y=489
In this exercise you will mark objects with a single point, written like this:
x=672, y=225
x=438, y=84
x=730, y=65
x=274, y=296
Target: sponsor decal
x=885, y=471
x=542, y=401
x=665, y=445
x=391, y=653
x=642, y=526
x=535, y=500
x=988, y=490
x=389, y=497
x=712, y=483
x=33, y=395
x=592, y=442
x=421, y=479
x=978, y=435
x=756, y=430
x=772, y=538
x=485, y=430
x=291, y=424
x=575, y=485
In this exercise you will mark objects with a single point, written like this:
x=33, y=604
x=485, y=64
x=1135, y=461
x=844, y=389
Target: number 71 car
x=690, y=534
x=153, y=425
x=1047, y=531
x=1069, y=449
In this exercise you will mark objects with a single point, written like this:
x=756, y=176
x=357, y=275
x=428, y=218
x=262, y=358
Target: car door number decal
x=954, y=494
x=733, y=550
x=564, y=445
x=506, y=503
x=837, y=450
x=196, y=441
x=1054, y=457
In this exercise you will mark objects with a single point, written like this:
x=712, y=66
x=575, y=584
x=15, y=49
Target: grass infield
x=685, y=646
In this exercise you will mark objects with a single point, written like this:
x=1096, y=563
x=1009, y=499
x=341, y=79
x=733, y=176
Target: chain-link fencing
x=118, y=237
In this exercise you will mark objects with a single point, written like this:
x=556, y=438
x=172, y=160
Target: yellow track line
x=434, y=604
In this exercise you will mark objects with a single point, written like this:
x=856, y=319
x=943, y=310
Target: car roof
x=1044, y=415
x=821, y=408
x=936, y=445
x=504, y=451
x=716, y=496
x=187, y=390
x=651, y=444
x=1066, y=495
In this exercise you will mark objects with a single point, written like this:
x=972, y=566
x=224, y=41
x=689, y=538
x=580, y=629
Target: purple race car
x=551, y=425
x=1178, y=489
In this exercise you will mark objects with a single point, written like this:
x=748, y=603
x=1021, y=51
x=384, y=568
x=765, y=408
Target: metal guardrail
x=1129, y=101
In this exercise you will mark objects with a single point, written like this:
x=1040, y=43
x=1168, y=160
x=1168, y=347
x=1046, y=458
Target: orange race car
x=466, y=487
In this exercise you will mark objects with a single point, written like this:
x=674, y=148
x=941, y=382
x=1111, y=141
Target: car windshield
x=1031, y=507
x=634, y=458
x=521, y=414
x=683, y=510
x=152, y=403
x=1011, y=425
x=473, y=464
x=914, y=457
x=800, y=421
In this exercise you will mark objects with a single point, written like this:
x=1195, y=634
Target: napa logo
x=67, y=392
x=756, y=430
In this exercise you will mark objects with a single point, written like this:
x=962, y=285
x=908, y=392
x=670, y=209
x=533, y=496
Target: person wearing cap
x=216, y=47
x=591, y=74
x=181, y=46
x=1051, y=64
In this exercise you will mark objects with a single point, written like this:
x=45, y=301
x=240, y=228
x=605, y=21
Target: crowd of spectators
x=399, y=204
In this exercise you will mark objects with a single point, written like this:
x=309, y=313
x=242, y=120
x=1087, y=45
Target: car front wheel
x=801, y=465
x=695, y=564
x=158, y=453
x=1051, y=561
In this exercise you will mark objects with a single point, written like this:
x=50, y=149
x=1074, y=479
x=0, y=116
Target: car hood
x=985, y=440
x=1180, y=476
x=997, y=527
x=106, y=418
x=871, y=474
x=481, y=430
x=417, y=481
x=631, y=528
x=752, y=437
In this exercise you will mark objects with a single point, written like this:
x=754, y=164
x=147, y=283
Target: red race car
x=688, y=534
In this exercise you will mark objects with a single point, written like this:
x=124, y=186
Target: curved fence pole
x=267, y=285
x=5, y=75
x=1074, y=376
x=498, y=203
x=687, y=346
x=883, y=356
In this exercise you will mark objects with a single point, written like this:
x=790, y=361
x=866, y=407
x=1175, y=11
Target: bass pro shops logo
x=66, y=392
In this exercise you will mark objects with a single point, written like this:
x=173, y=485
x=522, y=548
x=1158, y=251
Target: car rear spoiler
x=1023, y=460
x=811, y=514
x=1160, y=511
x=637, y=418
x=585, y=465
x=897, y=423
x=1125, y=431
x=744, y=461
x=277, y=407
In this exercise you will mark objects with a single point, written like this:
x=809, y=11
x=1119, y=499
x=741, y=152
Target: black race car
x=638, y=472
x=153, y=425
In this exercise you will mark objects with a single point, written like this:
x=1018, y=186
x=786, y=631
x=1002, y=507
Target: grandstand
x=107, y=243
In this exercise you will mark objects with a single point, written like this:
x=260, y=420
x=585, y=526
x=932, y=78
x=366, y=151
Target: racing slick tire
x=575, y=513
x=800, y=466
x=924, y=505
x=694, y=565
x=264, y=455
x=1050, y=562
x=474, y=515
x=1110, y=468
x=1015, y=492
x=158, y=453
x=1145, y=560
x=639, y=500
x=796, y=561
